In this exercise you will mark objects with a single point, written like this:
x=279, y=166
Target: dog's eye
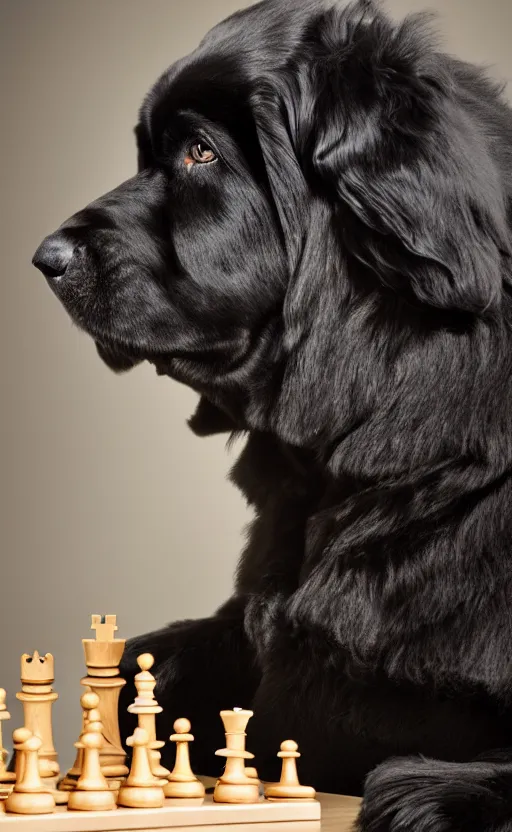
x=200, y=153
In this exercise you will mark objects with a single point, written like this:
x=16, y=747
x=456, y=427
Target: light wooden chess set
x=99, y=792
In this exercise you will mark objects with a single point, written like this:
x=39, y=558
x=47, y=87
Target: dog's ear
x=397, y=143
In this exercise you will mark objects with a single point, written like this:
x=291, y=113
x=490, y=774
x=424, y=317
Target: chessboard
x=174, y=814
x=104, y=791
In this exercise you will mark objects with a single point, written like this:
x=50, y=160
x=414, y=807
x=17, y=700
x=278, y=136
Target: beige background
x=108, y=502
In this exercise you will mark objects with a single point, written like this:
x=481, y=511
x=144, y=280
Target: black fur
x=336, y=284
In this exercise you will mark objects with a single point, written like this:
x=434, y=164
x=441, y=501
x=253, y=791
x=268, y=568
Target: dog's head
x=320, y=197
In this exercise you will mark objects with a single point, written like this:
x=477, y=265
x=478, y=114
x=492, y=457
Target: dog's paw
x=414, y=794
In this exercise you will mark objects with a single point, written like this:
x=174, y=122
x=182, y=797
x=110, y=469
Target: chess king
x=102, y=656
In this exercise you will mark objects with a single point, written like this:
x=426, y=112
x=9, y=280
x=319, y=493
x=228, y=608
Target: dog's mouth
x=121, y=359
x=117, y=359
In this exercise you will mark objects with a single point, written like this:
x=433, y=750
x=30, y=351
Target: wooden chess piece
x=19, y=736
x=182, y=781
x=289, y=787
x=92, y=791
x=102, y=657
x=234, y=786
x=5, y=776
x=89, y=701
x=146, y=707
x=29, y=796
x=38, y=696
x=140, y=790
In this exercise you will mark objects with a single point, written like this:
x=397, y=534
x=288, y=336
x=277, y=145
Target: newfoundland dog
x=318, y=241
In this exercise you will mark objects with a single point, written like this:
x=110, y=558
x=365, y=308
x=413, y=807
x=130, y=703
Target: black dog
x=318, y=241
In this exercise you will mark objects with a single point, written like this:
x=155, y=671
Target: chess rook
x=146, y=707
x=29, y=796
x=102, y=657
x=234, y=786
x=37, y=696
x=289, y=787
x=182, y=782
x=5, y=776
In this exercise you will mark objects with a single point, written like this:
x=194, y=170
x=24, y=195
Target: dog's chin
x=115, y=358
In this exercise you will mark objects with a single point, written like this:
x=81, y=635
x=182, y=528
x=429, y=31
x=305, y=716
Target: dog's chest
x=285, y=488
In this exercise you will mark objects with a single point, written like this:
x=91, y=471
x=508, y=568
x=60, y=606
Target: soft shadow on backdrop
x=108, y=502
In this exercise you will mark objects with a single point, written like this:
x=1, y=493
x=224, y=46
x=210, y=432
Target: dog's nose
x=54, y=255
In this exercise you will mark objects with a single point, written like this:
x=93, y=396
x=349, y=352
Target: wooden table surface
x=338, y=812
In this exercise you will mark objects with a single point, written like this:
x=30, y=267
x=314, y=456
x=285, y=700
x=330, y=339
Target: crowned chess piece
x=234, y=785
x=141, y=790
x=102, y=657
x=146, y=707
x=182, y=781
x=92, y=791
x=37, y=696
x=29, y=796
x=289, y=787
x=5, y=776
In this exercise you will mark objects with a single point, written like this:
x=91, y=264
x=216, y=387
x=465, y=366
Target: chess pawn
x=92, y=791
x=182, y=781
x=234, y=786
x=19, y=736
x=289, y=787
x=29, y=796
x=89, y=701
x=5, y=776
x=140, y=790
x=146, y=707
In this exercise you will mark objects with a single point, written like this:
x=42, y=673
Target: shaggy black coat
x=318, y=241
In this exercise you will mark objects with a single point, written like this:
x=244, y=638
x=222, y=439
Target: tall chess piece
x=140, y=790
x=182, y=781
x=92, y=791
x=5, y=776
x=102, y=657
x=146, y=707
x=289, y=787
x=234, y=785
x=37, y=696
x=29, y=796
